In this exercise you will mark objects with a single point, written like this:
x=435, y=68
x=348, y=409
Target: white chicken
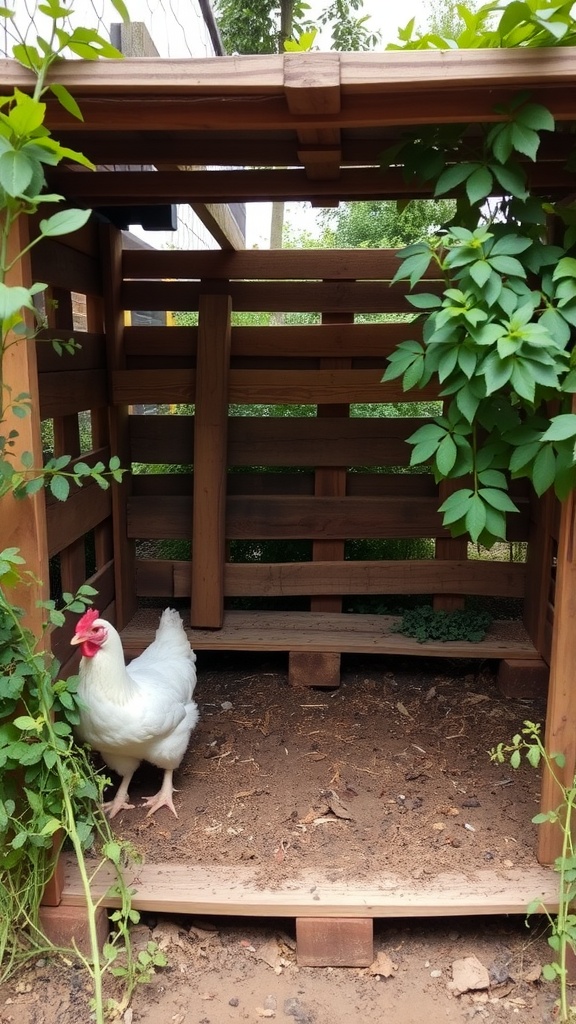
x=143, y=712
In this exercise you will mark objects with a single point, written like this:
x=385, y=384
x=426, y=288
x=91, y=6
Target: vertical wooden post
x=330, y=481
x=23, y=523
x=124, y=549
x=322, y=668
x=560, y=734
x=539, y=570
x=210, y=461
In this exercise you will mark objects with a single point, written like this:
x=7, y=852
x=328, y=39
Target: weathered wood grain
x=157, y=578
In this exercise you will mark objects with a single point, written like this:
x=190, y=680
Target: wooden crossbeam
x=121, y=188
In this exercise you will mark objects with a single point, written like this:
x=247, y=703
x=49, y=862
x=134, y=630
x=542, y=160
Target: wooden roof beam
x=311, y=88
x=124, y=188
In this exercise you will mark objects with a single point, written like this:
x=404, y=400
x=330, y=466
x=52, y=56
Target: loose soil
x=390, y=772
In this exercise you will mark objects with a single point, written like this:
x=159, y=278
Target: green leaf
x=12, y=300
x=66, y=100
x=64, y=222
x=425, y=300
x=544, y=470
x=511, y=179
x=497, y=499
x=535, y=116
x=446, y=455
x=479, y=185
x=16, y=171
x=507, y=265
x=414, y=267
x=475, y=517
x=60, y=487
x=561, y=428
x=453, y=176
x=525, y=140
x=565, y=268
x=515, y=759
x=480, y=272
x=26, y=115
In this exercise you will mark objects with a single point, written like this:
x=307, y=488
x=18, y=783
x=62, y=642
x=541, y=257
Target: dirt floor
x=389, y=772
x=225, y=971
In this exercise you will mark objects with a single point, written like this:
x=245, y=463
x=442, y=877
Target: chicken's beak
x=77, y=639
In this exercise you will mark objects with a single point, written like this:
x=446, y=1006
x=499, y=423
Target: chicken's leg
x=120, y=801
x=164, y=796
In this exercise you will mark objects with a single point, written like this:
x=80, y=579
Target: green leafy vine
x=496, y=333
x=50, y=792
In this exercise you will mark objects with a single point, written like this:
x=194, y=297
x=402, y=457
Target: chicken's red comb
x=87, y=621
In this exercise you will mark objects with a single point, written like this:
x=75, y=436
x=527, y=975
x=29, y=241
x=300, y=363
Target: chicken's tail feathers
x=171, y=626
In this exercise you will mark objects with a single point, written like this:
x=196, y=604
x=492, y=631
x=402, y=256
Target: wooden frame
x=321, y=120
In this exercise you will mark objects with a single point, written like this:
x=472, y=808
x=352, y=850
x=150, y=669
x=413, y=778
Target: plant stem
x=91, y=907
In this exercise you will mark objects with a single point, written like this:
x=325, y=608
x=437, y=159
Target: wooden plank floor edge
x=237, y=891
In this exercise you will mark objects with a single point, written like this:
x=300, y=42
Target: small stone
x=533, y=974
x=498, y=973
x=226, y=705
x=468, y=975
x=436, y=973
x=234, y=1001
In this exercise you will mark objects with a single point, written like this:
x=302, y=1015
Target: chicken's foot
x=163, y=798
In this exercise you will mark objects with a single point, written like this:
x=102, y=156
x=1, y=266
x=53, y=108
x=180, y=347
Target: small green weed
x=563, y=926
x=424, y=624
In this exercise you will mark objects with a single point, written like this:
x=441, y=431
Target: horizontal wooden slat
x=71, y=519
x=319, y=442
x=72, y=391
x=481, y=578
x=121, y=188
x=263, y=264
x=411, y=576
x=266, y=387
x=273, y=518
x=90, y=356
x=317, y=340
x=416, y=485
x=62, y=267
x=324, y=631
x=208, y=889
x=282, y=441
x=272, y=296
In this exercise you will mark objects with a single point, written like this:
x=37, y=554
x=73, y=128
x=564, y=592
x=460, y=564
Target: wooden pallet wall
x=312, y=478
x=74, y=409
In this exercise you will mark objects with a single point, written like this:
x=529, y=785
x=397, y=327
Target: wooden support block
x=523, y=678
x=334, y=941
x=314, y=668
x=65, y=926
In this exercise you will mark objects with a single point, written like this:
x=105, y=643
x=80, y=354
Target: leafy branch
x=496, y=334
x=528, y=743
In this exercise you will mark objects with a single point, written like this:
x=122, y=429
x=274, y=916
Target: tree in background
x=266, y=25
x=382, y=224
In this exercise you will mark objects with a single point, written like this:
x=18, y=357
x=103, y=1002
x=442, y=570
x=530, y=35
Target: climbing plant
x=49, y=789
x=497, y=338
